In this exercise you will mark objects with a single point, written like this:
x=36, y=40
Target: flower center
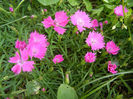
x=93, y=41
x=20, y=62
x=80, y=22
x=57, y=60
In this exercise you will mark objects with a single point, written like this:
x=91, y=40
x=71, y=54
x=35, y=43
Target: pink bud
x=45, y=10
x=77, y=32
x=101, y=25
x=32, y=16
x=43, y=89
x=20, y=45
x=91, y=75
x=106, y=22
x=11, y=9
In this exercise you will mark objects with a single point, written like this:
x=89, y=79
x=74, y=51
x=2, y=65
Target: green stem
x=130, y=34
x=61, y=72
x=13, y=21
x=93, y=91
x=1, y=9
x=103, y=77
x=19, y=5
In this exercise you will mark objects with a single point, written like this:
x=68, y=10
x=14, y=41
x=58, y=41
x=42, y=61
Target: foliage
x=87, y=80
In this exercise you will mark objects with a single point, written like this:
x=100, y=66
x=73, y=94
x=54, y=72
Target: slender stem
x=61, y=72
x=1, y=9
x=13, y=21
x=19, y=5
x=103, y=77
x=130, y=38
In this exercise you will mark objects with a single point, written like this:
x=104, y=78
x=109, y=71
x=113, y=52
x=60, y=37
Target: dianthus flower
x=81, y=20
x=20, y=45
x=95, y=40
x=90, y=57
x=35, y=37
x=58, y=59
x=60, y=21
x=112, y=48
x=112, y=67
x=94, y=23
x=37, y=46
x=21, y=62
x=119, y=10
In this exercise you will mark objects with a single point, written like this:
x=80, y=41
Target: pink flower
x=81, y=20
x=94, y=23
x=90, y=57
x=43, y=89
x=58, y=59
x=112, y=67
x=11, y=9
x=36, y=50
x=20, y=45
x=95, y=40
x=35, y=37
x=37, y=46
x=106, y=22
x=112, y=48
x=7, y=98
x=21, y=62
x=119, y=10
x=48, y=22
x=60, y=21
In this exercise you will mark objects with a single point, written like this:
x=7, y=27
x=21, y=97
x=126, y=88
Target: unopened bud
x=113, y=27
x=67, y=78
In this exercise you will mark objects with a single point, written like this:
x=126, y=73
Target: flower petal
x=28, y=66
x=16, y=69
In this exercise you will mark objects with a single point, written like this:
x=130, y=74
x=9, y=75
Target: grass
x=101, y=85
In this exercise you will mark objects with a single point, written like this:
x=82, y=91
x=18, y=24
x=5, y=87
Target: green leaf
x=109, y=6
x=119, y=97
x=97, y=11
x=107, y=1
x=47, y=2
x=88, y=5
x=130, y=3
x=66, y=92
x=32, y=87
x=74, y=2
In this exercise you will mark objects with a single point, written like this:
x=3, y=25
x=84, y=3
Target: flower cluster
x=36, y=47
x=37, y=43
